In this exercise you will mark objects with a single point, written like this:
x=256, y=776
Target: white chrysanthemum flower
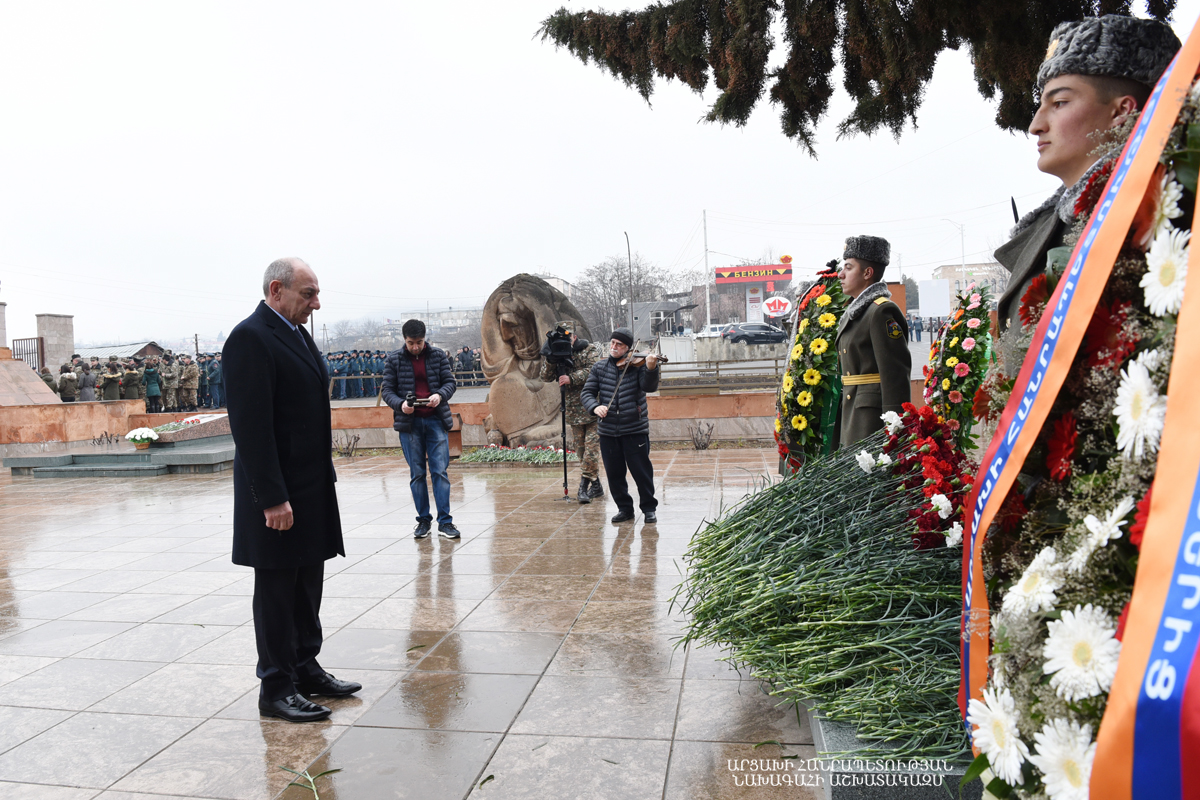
x=892, y=420
x=865, y=461
x=1170, y=193
x=1150, y=359
x=996, y=735
x=884, y=460
x=1081, y=653
x=954, y=538
x=1101, y=532
x=1065, y=751
x=1140, y=411
x=941, y=504
x=1035, y=591
x=1164, y=280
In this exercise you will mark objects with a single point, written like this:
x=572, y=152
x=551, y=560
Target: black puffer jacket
x=630, y=400
x=398, y=381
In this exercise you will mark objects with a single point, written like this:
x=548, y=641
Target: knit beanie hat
x=1112, y=46
x=624, y=336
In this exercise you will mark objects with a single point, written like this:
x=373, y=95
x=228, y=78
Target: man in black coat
x=423, y=371
x=285, y=510
x=617, y=395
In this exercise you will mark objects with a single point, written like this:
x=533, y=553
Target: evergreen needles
x=813, y=584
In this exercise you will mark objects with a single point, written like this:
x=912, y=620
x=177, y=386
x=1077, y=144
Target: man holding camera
x=418, y=384
x=615, y=391
x=570, y=372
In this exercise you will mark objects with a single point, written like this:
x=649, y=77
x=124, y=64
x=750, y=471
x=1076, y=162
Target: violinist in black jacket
x=616, y=393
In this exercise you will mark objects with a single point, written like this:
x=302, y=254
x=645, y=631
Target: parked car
x=711, y=331
x=753, y=333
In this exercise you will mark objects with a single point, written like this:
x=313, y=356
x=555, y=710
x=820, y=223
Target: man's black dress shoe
x=651, y=518
x=293, y=709
x=328, y=686
x=622, y=516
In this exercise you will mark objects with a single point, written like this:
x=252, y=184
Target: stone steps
x=102, y=470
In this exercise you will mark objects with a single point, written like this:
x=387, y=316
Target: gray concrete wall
x=3, y=331
x=58, y=331
x=718, y=349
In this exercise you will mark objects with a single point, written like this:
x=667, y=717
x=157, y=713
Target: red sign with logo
x=754, y=274
x=777, y=306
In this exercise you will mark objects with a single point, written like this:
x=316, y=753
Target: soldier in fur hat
x=1097, y=73
x=872, y=342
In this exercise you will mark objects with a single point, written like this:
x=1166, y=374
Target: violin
x=639, y=359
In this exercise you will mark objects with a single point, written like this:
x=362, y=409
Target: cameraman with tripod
x=567, y=360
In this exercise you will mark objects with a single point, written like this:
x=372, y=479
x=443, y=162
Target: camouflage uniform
x=189, y=382
x=170, y=379
x=585, y=434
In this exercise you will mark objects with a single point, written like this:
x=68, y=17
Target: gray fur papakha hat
x=1113, y=46
x=868, y=248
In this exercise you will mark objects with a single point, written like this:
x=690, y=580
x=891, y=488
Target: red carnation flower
x=783, y=450
x=1062, y=447
x=1138, y=528
x=1106, y=343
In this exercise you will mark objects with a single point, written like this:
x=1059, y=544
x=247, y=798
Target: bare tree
x=341, y=335
x=601, y=288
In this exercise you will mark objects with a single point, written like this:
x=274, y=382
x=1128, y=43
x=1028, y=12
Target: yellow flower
x=797, y=351
x=945, y=384
x=812, y=377
x=803, y=325
x=951, y=361
x=798, y=421
x=778, y=426
x=824, y=300
x=827, y=320
x=804, y=398
x=818, y=346
x=954, y=341
x=788, y=383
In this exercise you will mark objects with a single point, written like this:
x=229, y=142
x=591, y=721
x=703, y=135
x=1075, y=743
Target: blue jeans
x=428, y=438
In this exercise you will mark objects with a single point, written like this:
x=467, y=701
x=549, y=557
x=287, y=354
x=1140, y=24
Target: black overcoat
x=278, y=401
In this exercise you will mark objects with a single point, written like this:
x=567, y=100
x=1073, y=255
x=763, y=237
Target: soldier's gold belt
x=859, y=380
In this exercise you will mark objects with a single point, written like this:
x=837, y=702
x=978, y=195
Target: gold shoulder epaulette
x=880, y=301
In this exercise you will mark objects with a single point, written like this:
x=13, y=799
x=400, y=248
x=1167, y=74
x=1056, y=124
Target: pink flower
x=973, y=323
x=956, y=396
x=972, y=286
x=968, y=343
x=952, y=424
x=975, y=298
x=962, y=369
x=973, y=306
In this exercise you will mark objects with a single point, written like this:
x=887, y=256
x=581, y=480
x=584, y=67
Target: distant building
x=558, y=283
x=992, y=274
x=441, y=326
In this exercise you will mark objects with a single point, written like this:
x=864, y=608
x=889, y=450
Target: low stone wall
x=68, y=422
x=715, y=348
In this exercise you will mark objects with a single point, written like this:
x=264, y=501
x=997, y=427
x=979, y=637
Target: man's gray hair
x=282, y=270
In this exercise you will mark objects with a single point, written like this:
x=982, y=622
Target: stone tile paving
x=533, y=659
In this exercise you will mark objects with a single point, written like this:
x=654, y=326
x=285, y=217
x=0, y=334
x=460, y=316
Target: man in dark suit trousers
x=285, y=510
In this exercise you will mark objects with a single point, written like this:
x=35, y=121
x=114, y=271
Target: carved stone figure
x=516, y=319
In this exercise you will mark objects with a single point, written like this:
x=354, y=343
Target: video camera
x=560, y=351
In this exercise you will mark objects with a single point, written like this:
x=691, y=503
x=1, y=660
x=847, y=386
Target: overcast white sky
x=155, y=157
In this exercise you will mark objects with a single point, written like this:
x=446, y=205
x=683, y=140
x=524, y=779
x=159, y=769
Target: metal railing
x=763, y=373
x=32, y=351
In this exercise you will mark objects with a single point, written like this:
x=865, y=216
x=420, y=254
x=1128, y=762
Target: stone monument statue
x=516, y=319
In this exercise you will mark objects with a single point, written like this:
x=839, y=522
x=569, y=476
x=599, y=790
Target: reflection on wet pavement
x=532, y=659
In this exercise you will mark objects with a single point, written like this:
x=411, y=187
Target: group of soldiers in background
x=359, y=373
x=166, y=383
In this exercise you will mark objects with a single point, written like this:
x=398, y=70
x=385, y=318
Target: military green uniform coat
x=111, y=385
x=874, y=342
x=584, y=359
x=1025, y=257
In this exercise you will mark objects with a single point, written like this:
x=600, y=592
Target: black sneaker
x=449, y=531
x=422, y=529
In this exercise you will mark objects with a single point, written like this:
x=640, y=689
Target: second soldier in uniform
x=585, y=432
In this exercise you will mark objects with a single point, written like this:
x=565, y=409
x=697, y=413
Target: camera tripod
x=562, y=412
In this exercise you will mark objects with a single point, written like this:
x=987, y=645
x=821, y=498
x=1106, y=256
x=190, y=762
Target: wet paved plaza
x=533, y=659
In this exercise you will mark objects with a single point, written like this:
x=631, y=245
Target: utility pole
x=196, y=342
x=961, y=243
x=707, y=274
x=629, y=251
